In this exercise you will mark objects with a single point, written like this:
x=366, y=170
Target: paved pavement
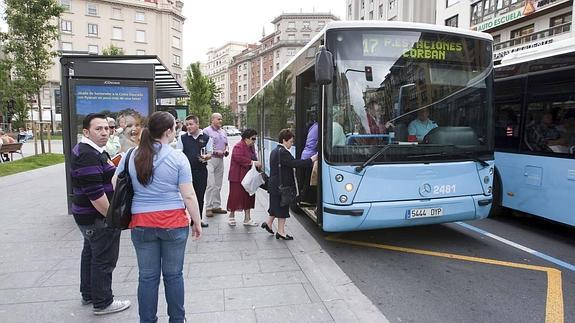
x=28, y=148
x=234, y=274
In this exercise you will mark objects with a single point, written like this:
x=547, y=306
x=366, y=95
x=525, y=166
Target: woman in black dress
x=282, y=160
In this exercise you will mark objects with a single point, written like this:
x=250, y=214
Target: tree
x=201, y=92
x=112, y=51
x=33, y=29
x=20, y=113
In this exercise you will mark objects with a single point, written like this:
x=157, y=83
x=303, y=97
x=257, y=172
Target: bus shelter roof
x=164, y=82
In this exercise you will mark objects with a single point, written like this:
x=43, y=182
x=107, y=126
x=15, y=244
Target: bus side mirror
x=323, y=66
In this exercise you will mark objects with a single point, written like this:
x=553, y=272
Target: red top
x=242, y=157
x=167, y=219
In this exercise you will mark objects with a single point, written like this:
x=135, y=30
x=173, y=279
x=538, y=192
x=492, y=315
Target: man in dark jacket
x=197, y=146
x=91, y=172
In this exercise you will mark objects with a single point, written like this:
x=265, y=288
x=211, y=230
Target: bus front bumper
x=378, y=215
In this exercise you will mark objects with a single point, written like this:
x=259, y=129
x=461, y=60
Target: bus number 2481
x=443, y=189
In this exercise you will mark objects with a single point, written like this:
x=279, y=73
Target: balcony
x=543, y=34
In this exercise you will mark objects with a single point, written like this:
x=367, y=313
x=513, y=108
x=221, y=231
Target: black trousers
x=99, y=258
x=200, y=182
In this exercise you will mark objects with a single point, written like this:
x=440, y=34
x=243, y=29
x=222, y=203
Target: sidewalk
x=234, y=274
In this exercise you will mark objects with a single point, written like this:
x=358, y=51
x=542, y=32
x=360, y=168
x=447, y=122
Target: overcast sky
x=213, y=23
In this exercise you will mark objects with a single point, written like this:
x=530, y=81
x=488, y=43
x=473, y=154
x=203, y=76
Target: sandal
x=251, y=223
x=232, y=222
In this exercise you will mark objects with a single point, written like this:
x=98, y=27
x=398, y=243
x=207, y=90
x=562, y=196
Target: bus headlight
x=338, y=177
x=343, y=198
x=349, y=187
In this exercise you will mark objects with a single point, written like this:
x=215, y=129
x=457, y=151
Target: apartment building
x=138, y=27
x=252, y=68
x=217, y=67
x=392, y=10
x=515, y=25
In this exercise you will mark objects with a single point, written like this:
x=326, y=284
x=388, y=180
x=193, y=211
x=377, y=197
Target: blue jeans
x=160, y=250
x=99, y=257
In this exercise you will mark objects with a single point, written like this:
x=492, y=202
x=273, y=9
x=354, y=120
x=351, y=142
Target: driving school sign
x=500, y=20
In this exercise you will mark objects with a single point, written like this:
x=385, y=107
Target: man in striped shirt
x=91, y=172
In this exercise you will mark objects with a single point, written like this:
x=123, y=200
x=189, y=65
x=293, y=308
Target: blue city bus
x=365, y=84
x=535, y=132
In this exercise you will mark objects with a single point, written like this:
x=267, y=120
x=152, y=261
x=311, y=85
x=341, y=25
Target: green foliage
x=201, y=90
x=112, y=51
x=278, y=103
x=20, y=116
x=33, y=30
x=30, y=163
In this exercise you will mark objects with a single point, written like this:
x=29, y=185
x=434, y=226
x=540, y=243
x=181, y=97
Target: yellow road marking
x=554, y=302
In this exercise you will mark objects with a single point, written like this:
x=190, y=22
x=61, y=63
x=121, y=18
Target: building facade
x=217, y=67
x=392, y=10
x=138, y=27
x=252, y=68
x=515, y=25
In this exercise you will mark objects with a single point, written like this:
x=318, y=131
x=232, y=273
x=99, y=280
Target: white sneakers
x=115, y=307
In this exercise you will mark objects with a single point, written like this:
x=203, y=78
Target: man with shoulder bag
x=91, y=173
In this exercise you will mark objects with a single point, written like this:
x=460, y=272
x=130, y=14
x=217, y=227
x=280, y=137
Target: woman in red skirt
x=243, y=157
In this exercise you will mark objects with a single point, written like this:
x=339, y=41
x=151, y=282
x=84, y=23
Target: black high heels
x=267, y=227
x=287, y=237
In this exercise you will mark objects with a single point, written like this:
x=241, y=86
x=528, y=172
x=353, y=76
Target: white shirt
x=86, y=140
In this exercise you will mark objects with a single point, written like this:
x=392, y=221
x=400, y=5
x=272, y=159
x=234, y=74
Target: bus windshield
x=426, y=95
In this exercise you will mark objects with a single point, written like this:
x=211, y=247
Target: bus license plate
x=424, y=213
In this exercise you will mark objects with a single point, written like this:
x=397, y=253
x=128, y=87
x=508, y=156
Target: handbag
x=266, y=179
x=252, y=181
x=119, y=212
x=288, y=193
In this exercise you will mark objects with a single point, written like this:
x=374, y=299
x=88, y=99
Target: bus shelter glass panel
x=425, y=96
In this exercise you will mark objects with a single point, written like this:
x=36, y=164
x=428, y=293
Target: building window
x=371, y=15
x=67, y=46
x=93, y=49
x=245, y=77
x=496, y=39
x=392, y=4
x=522, y=31
x=320, y=24
x=176, y=60
x=449, y=3
x=67, y=4
x=141, y=36
x=92, y=30
x=245, y=97
x=291, y=37
x=245, y=87
x=380, y=11
x=278, y=54
x=117, y=33
x=176, y=42
x=291, y=25
x=91, y=9
x=140, y=16
x=116, y=13
x=452, y=22
x=140, y=52
x=306, y=25
x=66, y=26
x=349, y=11
x=239, y=97
x=362, y=4
x=277, y=67
x=291, y=52
x=176, y=24
x=560, y=20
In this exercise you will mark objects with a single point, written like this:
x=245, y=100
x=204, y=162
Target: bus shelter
x=118, y=86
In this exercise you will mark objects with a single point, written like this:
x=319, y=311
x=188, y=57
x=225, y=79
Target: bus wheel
x=496, y=208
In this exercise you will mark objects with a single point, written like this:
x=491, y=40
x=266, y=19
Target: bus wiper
x=372, y=158
x=466, y=155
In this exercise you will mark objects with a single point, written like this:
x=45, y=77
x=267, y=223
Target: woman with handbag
x=282, y=185
x=162, y=184
x=243, y=158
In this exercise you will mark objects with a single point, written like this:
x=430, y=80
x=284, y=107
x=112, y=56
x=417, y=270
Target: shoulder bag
x=120, y=210
x=288, y=193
